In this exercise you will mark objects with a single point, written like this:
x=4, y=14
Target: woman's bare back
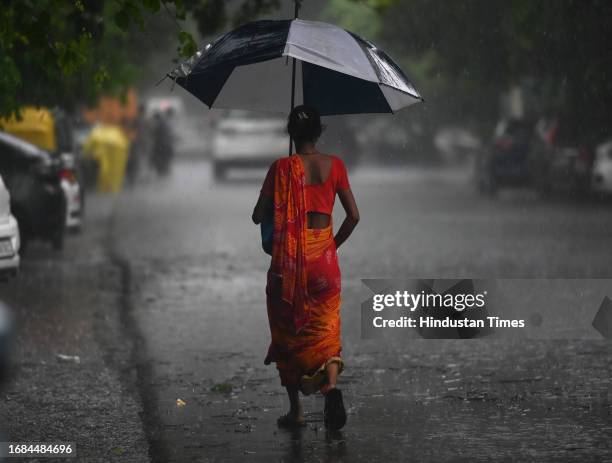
x=317, y=167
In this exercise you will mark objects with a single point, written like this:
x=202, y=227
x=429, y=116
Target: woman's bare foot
x=295, y=417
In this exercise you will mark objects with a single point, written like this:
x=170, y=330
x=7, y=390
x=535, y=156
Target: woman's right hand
x=352, y=216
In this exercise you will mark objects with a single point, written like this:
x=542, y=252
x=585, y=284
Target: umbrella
x=264, y=65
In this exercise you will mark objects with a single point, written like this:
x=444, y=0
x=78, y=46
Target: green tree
x=466, y=52
x=68, y=52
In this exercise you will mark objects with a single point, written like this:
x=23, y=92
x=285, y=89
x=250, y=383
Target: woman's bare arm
x=352, y=216
x=264, y=203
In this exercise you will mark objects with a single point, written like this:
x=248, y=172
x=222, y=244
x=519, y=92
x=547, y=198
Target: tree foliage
x=214, y=15
x=467, y=52
x=68, y=52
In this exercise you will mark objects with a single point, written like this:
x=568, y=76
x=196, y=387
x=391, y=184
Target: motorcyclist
x=163, y=149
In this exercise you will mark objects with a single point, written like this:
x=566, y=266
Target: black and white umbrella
x=272, y=65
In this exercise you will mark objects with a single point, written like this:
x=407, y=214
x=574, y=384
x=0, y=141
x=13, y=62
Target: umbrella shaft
x=292, y=96
x=297, y=8
x=296, y=12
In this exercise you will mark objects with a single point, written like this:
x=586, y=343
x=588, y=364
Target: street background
x=141, y=333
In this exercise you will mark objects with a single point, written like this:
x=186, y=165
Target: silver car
x=243, y=139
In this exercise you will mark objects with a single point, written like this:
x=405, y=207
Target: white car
x=72, y=191
x=9, y=236
x=244, y=139
x=602, y=168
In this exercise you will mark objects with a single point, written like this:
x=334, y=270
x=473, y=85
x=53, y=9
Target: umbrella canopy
x=335, y=71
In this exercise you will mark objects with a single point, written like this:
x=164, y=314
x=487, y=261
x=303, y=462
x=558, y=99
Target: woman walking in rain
x=303, y=283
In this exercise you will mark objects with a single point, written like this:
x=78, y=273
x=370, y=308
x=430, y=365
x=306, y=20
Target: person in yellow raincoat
x=109, y=147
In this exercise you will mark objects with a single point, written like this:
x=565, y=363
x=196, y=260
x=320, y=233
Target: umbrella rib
x=416, y=97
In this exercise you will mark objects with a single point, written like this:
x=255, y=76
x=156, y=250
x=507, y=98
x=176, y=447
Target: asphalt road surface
x=169, y=280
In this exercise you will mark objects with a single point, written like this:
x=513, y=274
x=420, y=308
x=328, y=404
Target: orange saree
x=303, y=287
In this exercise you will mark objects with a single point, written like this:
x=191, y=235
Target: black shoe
x=334, y=415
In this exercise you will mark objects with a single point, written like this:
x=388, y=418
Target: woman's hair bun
x=304, y=124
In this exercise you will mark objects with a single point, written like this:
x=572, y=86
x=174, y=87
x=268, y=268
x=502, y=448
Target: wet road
x=67, y=304
x=197, y=302
x=163, y=299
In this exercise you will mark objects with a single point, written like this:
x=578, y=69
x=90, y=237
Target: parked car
x=247, y=140
x=9, y=236
x=72, y=190
x=565, y=158
x=53, y=131
x=32, y=177
x=456, y=144
x=71, y=170
x=602, y=168
x=508, y=161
